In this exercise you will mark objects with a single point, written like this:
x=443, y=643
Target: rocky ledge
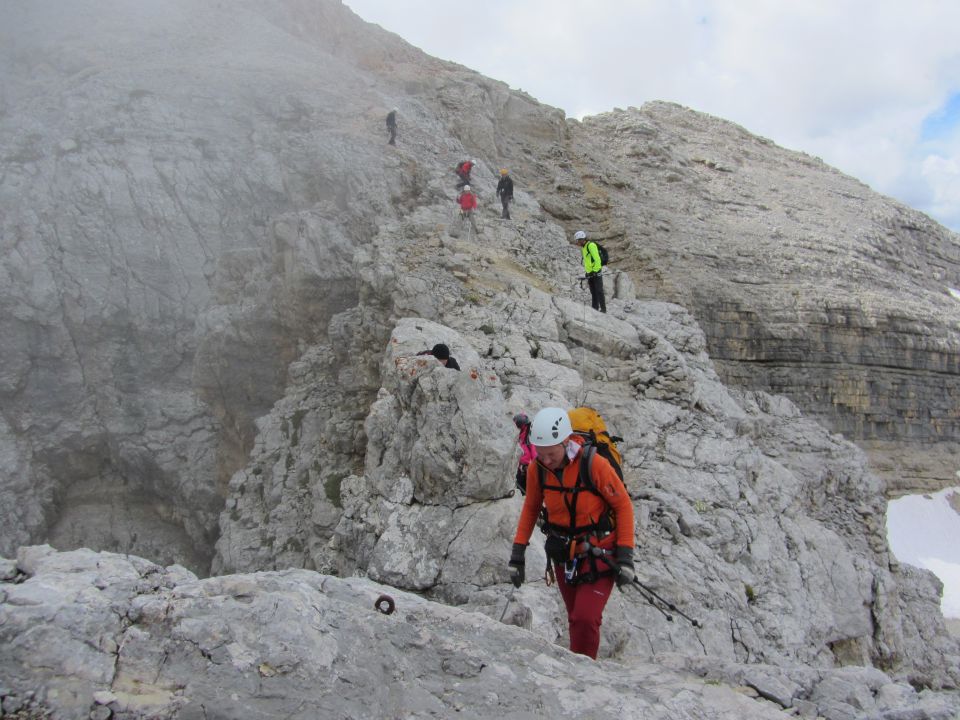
x=101, y=635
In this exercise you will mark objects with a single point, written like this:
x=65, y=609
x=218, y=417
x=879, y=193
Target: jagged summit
x=216, y=276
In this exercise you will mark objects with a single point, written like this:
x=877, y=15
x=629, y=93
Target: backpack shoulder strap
x=542, y=477
x=584, y=483
x=584, y=476
x=586, y=466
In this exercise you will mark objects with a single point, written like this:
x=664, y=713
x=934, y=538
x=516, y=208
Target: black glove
x=626, y=574
x=517, y=564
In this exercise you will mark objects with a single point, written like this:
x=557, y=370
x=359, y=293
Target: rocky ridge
x=217, y=296
x=805, y=282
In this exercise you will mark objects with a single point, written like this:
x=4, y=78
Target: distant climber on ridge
x=392, y=126
x=442, y=353
x=468, y=204
x=463, y=172
x=592, y=265
x=505, y=192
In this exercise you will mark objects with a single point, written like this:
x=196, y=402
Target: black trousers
x=597, y=301
x=505, y=201
x=393, y=135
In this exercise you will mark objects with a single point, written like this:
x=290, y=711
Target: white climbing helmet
x=579, y=235
x=550, y=426
x=466, y=188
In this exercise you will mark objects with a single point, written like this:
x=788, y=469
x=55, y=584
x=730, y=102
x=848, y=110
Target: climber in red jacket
x=468, y=205
x=463, y=172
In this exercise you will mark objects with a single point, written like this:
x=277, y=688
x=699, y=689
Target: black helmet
x=440, y=351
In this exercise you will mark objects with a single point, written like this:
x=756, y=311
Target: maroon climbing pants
x=585, y=603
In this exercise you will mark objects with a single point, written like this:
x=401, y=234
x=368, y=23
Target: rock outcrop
x=763, y=524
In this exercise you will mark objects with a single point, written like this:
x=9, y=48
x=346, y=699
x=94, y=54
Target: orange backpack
x=588, y=424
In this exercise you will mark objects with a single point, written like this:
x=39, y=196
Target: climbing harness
x=569, y=545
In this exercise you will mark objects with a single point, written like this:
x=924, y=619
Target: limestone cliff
x=805, y=281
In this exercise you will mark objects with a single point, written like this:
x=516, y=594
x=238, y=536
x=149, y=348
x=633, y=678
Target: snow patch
x=922, y=530
x=949, y=574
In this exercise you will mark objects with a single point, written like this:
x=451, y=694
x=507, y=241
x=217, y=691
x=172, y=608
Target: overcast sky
x=870, y=86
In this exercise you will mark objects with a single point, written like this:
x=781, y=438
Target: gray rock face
x=182, y=216
x=214, y=280
x=167, y=243
x=805, y=282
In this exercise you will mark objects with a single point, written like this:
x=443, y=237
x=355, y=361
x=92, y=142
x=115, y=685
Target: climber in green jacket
x=591, y=267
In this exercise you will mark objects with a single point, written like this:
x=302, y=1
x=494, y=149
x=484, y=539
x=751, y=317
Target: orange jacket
x=590, y=507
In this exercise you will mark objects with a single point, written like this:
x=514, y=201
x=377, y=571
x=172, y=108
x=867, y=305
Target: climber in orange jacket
x=588, y=522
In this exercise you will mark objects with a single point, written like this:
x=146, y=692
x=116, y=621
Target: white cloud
x=943, y=177
x=850, y=82
x=949, y=574
x=922, y=531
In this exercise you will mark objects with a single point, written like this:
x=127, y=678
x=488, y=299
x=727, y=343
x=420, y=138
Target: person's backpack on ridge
x=604, y=255
x=392, y=126
x=505, y=192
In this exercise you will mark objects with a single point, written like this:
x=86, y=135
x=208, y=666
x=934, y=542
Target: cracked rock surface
x=104, y=635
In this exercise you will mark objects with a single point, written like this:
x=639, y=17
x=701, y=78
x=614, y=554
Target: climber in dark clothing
x=392, y=126
x=442, y=353
x=505, y=192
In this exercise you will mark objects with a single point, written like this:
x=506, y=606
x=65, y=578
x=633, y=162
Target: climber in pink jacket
x=528, y=453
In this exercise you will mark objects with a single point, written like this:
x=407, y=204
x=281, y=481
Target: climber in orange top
x=589, y=525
